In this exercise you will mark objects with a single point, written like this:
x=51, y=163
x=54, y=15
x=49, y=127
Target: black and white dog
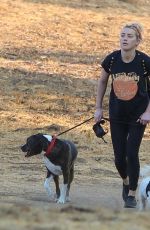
x=59, y=159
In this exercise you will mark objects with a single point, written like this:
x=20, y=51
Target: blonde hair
x=137, y=28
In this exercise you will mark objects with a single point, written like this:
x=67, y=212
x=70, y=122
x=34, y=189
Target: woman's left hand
x=144, y=118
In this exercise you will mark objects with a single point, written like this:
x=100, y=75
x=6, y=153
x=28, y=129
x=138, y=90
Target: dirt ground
x=50, y=53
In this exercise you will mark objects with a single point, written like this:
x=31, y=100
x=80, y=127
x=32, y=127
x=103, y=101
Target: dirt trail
x=106, y=194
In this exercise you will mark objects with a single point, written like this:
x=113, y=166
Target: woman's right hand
x=98, y=114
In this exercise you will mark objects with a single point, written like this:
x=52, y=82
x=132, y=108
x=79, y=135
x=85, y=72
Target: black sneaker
x=130, y=202
x=125, y=191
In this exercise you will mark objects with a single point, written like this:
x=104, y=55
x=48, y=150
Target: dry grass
x=50, y=53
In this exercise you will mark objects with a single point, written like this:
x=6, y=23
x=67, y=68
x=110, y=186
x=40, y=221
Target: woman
x=129, y=106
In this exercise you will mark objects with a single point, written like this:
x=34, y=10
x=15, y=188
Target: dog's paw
x=61, y=200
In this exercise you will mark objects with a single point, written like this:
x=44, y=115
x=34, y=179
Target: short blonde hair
x=138, y=28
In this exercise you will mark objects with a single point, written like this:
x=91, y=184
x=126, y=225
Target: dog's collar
x=50, y=146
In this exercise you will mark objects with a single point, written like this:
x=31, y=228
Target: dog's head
x=34, y=145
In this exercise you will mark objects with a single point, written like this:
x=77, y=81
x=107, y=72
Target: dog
x=59, y=158
x=144, y=189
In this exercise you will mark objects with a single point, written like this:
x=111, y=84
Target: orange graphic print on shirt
x=125, y=86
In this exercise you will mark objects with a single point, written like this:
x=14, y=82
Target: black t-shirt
x=129, y=94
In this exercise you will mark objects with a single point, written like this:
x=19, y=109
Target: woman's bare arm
x=101, y=89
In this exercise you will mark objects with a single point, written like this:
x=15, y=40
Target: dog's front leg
x=49, y=178
x=63, y=192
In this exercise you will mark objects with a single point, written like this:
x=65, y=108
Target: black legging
x=126, y=140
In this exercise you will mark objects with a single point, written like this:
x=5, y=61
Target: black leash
x=76, y=126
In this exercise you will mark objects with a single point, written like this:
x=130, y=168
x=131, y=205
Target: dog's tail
x=145, y=171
